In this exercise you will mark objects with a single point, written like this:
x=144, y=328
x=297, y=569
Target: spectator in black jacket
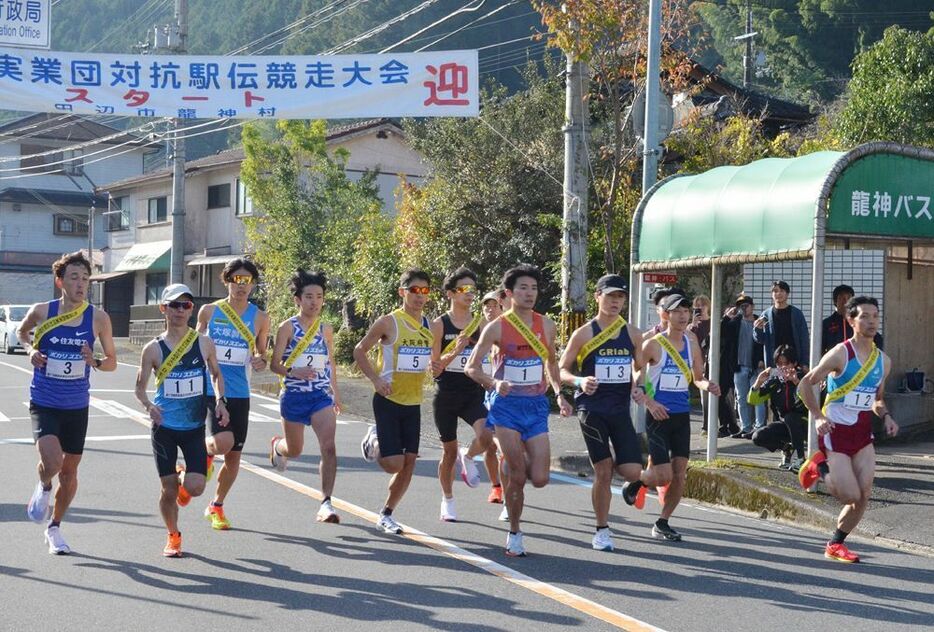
x=835, y=329
x=745, y=359
x=779, y=385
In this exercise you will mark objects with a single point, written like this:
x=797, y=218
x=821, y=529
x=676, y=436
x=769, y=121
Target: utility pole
x=652, y=96
x=574, y=231
x=747, y=39
x=177, y=44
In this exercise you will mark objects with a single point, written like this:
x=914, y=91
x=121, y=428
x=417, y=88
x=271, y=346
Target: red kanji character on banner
x=249, y=97
x=452, y=78
x=81, y=94
x=135, y=98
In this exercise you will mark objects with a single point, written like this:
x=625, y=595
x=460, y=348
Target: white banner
x=25, y=23
x=431, y=84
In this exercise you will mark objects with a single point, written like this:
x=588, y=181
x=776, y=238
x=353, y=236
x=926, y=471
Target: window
x=117, y=217
x=75, y=162
x=219, y=196
x=244, y=201
x=70, y=225
x=158, y=210
x=155, y=283
x=69, y=162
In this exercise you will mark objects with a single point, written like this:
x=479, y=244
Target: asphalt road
x=279, y=569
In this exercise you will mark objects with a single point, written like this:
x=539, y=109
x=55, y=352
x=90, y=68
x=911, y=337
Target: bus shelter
x=877, y=195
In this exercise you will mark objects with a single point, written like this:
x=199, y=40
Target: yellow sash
x=52, y=323
x=855, y=380
x=466, y=332
x=537, y=345
x=591, y=345
x=679, y=361
x=238, y=323
x=302, y=343
x=175, y=357
x=414, y=324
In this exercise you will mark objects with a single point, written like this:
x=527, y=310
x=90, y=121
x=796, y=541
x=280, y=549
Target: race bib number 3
x=316, y=361
x=183, y=388
x=673, y=382
x=236, y=356
x=523, y=372
x=458, y=364
x=65, y=369
x=413, y=359
x=859, y=400
x=613, y=370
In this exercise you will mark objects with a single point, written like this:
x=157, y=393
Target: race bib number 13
x=613, y=370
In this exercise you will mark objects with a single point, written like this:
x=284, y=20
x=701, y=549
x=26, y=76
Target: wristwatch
x=288, y=372
x=222, y=400
x=97, y=363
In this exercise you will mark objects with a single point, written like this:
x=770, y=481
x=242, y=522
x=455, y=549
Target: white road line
x=274, y=407
x=261, y=419
x=30, y=440
x=3, y=417
x=109, y=407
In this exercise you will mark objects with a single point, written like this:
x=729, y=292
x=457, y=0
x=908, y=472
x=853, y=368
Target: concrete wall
x=26, y=287
x=909, y=340
x=32, y=229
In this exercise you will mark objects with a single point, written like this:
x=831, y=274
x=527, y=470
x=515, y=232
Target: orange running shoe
x=183, y=496
x=216, y=515
x=840, y=553
x=810, y=472
x=661, y=490
x=496, y=495
x=173, y=545
x=640, y=498
x=210, y=470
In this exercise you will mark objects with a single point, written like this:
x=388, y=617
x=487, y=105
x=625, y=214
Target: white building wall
x=26, y=287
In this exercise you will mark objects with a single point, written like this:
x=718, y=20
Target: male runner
x=405, y=342
x=604, y=353
x=455, y=332
x=181, y=358
x=239, y=330
x=525, y=363
x=61, y=353
x=673, y=360
x=855, y=371
x=491, y=308
x=303, y=355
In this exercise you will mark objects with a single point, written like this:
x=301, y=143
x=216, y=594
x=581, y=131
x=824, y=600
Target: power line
x=470, y=25
x=380, y=28
x=464, y=9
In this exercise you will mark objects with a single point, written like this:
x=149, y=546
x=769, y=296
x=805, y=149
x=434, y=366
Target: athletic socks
x=662, y=523
x=838, y=537
x=824, y=470
x=387, y=511
x=54, y=523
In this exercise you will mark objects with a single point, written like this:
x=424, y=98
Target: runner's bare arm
x=148, y=363
x=329, y=342
x=209, y=353
x=437, y=333
x=697, y=368
x=204, y=317
x=104, y=333
x=568, y=362
x=37, y=313
x=879, y=407
x=834, y=361
x=474, y=369
x=377, y=333
x=554, y=375
x=278, y=350
x=258, y=361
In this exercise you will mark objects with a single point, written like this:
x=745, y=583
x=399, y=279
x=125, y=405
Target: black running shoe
x=665, y=533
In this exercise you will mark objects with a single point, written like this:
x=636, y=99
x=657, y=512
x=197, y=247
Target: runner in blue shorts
x=525, y=364
x=303, y=356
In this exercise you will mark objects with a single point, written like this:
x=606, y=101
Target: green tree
x=891, y=96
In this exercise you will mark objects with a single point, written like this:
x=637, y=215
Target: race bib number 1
x=67, y=369
x=672, y=382
x=859, y=400
x=413, y=359
x=523, y=372
x=236, y=356
x=613, y=370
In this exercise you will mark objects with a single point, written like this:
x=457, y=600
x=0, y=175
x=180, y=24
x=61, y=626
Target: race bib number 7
x=673, y=382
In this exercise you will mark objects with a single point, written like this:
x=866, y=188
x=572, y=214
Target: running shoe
x=665, y=533
x=216, y=515
x=278, y=461
x=795, y=465
x=448, y=511
x=602, y=540
x=173, y=545
x=786, y=460
x=637, y=500
x=469, y=472
x=326, y=513
x=38, y=508
x=661, y=490
x=57, y=544
x=840, y=553
x=504, y=514
x=389, y=525
x=210, y=469
x=514, y=545
x=810, y=470
x=369, y=445
x=183, y=496
x=496, y=495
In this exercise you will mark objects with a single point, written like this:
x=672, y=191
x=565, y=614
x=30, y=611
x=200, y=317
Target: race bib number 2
x=316, y=361
x=65, y=369
x=413, y=359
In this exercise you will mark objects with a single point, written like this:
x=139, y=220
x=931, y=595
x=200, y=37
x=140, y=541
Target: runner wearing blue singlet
x=181, y=359
x=668, y=407
x=62, y=359
x=238, y=353
x=303, y=357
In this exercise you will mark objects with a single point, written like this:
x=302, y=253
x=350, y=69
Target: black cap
x=674, y=301
x=662, y=292
x=612, y=283
x=842, y=289
x=782, y=285
x=744, y=299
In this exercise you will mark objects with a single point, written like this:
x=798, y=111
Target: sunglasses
x=180, y=304
x=417, y=289
x=466, y=289
x=242, y=279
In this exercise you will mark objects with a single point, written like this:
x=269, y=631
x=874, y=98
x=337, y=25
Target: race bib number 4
x=413, y=359
x=613, y=370
x=673, y=382
x=183, y=388
x=523, y=372
x=458, y=364
x=236, y=356
x=859, y=400
x=65, y=368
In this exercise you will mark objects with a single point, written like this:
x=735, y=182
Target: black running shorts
x=69, y=425
x=166, y=444
x=668, y=438
x=239, y=410
x=601, y=429
x=449, y=405
x=397, y=426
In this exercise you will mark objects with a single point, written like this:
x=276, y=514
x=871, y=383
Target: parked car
x=10, y=318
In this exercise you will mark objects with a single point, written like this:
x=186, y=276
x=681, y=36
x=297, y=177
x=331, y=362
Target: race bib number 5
x=523, y=372
x=413, y=359
x=65, y=368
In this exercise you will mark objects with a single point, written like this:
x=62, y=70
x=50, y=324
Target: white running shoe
x=504, y=514
x=38, y=507
x=370, y=445
x=326, y=513
x=448, y=510
x=469, y=472
x=388, y=524
x=57, y=544
x=514, y=545
x=602, y=540
x=279, y=462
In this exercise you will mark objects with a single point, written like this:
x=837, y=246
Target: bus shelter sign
x=428, y=84
x=886, y=195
